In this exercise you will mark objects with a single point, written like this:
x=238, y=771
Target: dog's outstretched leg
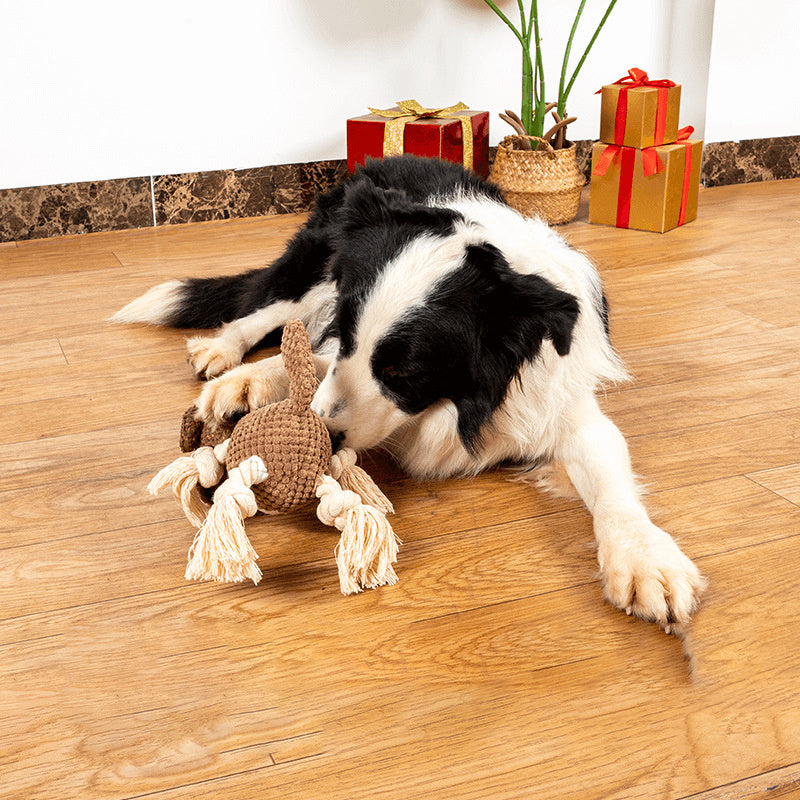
x=643, y=570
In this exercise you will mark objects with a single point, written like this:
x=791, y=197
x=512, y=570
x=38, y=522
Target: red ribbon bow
x=638, y=77
x=635, y=79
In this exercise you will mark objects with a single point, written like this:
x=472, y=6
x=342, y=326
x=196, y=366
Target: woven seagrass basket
x=542, y=183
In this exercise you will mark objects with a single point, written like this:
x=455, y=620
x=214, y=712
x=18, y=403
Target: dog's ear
x=366, y=205
x=523, y=309
x=515, y=314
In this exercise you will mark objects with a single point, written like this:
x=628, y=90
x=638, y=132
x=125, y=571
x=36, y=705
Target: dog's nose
x=337, y=440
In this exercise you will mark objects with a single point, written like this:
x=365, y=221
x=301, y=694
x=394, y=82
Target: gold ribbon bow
x=410, y=110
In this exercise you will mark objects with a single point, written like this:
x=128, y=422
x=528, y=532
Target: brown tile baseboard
x=44, y=211
x=282, y=189
x=39, y=212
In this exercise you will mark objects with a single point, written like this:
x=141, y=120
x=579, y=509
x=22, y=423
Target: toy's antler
x=299, y=363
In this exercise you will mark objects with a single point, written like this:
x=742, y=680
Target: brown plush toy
x=276, y=458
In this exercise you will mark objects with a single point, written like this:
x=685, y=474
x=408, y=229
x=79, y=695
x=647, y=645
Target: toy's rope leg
x=205, y=466
x=352, y=477
x=221, y=550
x=368, y=546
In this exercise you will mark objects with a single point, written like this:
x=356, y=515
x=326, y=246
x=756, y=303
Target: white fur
x=154, y=307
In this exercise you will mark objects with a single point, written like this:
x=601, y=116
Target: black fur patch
x=476, y=330
x=374, y=225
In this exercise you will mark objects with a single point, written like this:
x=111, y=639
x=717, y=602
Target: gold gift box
x=640, y=120
x=656, y=202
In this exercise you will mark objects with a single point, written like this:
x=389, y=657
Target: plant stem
x=562, y=100
x=538, y=118
x=562, y=97
x=522, y=25
x=506, y=20
x=526, y=112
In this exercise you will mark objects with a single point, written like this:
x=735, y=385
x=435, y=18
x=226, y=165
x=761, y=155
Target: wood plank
x=784, y=481
x=670, y=327
x=706, y=400
x=58, y=458
x=40, y=418
x=25, y=356
x=722, y=356
x=717, y=450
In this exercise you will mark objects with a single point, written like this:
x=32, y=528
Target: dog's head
x=428, y=311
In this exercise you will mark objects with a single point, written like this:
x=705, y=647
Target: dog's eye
x=390, y=371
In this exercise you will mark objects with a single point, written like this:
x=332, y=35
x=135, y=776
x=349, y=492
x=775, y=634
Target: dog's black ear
x=524, y=309
x=366, y=205
x=514, y=315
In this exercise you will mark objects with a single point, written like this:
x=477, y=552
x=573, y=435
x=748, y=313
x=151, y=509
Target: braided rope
x=345, y=470
x=221, y=550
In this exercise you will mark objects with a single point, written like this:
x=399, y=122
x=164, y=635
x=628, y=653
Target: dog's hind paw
x=211, y=356
x=645, y=573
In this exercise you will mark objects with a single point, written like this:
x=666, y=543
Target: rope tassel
x=368, y=546
x=221, y=550
x=366, y=551
x=345, y=470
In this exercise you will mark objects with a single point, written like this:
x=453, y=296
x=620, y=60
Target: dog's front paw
x=238, y=391
x=645, y=573
x=211, y=356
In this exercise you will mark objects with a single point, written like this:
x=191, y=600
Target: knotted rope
x=205, y=466
x=221, y=550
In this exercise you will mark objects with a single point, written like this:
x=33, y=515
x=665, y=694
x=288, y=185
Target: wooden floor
x=492, y=669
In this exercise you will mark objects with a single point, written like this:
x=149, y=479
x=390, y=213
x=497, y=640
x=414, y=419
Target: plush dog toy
x=273, y=459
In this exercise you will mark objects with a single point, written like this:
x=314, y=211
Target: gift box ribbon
x=410, y=110
x=633, y=80
x=651, y=164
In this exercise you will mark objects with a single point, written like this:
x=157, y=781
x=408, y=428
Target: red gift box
x=410, y=128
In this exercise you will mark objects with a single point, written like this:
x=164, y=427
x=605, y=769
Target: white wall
x=94, y=89
x=753, y=89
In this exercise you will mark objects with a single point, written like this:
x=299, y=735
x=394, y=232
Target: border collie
x=451, y=331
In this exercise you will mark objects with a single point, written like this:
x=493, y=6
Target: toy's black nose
x=337, y=439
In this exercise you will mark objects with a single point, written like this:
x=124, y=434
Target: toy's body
x=276, y=458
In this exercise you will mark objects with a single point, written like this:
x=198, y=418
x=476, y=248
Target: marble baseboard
x=282, y=189
x=39, y=212
x=751, y=161
x=726, y=163
x=44, y=211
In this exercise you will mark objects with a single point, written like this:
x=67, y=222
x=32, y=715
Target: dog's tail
x=190, y=303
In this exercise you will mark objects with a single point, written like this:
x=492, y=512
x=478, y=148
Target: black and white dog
x=451, y=331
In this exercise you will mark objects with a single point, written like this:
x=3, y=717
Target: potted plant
x=537, y=169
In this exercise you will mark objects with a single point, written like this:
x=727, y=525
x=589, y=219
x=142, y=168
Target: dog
x=451, y=331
